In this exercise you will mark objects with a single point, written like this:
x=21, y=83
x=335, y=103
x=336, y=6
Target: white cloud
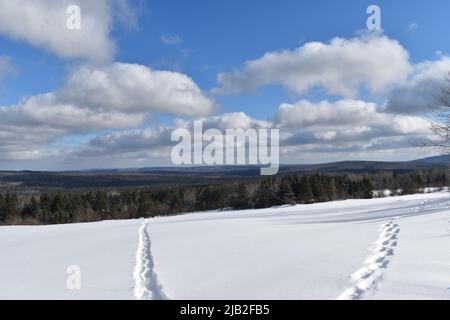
x=235, y=120
x=305, y=113
x=120, y=97
x=44, y=24
x=116, y=97
x=142, y=141
x=346, y=123
x=139, y=142
x=134, y=88
x=346, y=127
x=305, y=127
x=423, y=88
x=20, y=138
x=47, y=110
x=341, y=66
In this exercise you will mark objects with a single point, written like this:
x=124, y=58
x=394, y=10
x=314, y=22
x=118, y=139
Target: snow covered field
x=389, y=248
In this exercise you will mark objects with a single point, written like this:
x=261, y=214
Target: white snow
x=369, y=275
x=34, y=260
x=397, y=247
x=145, y=279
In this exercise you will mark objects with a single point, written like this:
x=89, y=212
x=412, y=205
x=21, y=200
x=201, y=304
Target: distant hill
x=444, y=159
x=142, y=177
x=341, y=166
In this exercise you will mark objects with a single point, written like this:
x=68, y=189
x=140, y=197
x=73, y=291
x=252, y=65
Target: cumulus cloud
x=158, y=139
x=20, y=138
x=305, y=113
x=352, y=126
x=350, y=123
x=235, y=120
x=119, y=97
x=135, y=88
x=48, y=110
x=44, y=24
x=323, y=131
x=116, y=97
x=423, y=88
x=316, y=128
x=138, y=141
x=341, y=67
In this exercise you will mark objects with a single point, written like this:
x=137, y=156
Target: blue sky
x=220, y=35
x=202, y=39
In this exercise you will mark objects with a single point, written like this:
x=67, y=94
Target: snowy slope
x=34, y=260
x=386, y=248
x=301, y=252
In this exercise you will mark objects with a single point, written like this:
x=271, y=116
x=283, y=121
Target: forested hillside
x=95, y=205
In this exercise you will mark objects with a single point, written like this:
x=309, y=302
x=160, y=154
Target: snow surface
x=34, y=260
x=388, y=248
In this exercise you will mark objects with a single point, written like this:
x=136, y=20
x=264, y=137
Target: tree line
x=95, y=205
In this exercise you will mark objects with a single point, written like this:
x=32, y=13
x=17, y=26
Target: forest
x=97, y=204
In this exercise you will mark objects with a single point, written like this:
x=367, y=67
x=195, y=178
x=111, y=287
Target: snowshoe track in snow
x=146, y=282
x=368, y=276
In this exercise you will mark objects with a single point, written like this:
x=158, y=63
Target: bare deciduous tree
x=440, y=120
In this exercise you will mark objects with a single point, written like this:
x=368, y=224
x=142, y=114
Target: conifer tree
x=240, y=199
x=306, y=194
x=285, y=193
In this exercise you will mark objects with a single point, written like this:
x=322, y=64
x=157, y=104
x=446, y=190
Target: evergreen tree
x=285, y=193
x=240, y=199
x=267, y=194
x=306, y=194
